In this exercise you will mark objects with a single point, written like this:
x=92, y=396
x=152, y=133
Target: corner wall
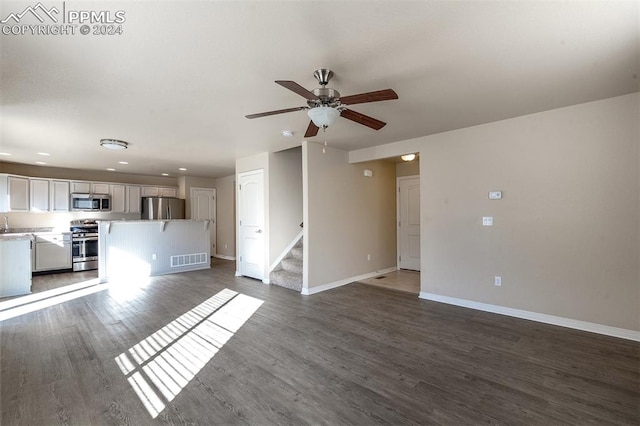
x=226, y=217
x=285, y=204
x=346, y=217
x=566, y=235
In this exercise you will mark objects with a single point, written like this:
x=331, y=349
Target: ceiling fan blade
x=280, y=111
x=363, y=119
x=380, y=95
x=295, y=87
x=312, y=130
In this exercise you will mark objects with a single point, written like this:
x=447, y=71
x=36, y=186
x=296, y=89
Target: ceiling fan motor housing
x=328, y=97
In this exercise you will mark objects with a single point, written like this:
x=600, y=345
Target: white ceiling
x=179, y=81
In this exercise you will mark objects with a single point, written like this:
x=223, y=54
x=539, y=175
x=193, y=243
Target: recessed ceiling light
x=165, y=174
x=113, y=144
x=43, y=153
x=123, y=162
x=182, y=169
x=40, y=162
x=111, y=170
x=4, y=153
x=287, y=133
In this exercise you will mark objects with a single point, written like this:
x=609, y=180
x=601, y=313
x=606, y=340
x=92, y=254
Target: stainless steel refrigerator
x=155, y=208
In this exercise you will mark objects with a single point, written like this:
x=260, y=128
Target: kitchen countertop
x=27, y=233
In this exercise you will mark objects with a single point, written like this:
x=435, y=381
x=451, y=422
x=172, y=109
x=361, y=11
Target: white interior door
x=203, y=207
x=409, y=223
x=251, y=224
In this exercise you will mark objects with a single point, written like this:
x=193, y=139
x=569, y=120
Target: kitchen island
x=141, y=248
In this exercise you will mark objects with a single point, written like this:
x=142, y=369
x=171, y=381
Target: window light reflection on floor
x=23, y=305
x=161, y=365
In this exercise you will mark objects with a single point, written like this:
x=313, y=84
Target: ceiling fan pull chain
x=324, y=131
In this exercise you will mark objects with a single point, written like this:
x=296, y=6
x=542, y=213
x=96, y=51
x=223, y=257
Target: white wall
x=346, y=217
x=285, y=203
x=226, y=217
x=566, y=236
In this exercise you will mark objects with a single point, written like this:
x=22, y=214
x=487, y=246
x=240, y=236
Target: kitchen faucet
x=6, y=223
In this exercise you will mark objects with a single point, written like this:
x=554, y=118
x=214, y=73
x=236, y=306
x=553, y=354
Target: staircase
x=288, y=273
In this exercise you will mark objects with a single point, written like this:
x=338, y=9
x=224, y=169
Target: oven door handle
x=82, y=239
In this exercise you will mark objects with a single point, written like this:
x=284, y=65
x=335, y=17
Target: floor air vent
x=188, y=259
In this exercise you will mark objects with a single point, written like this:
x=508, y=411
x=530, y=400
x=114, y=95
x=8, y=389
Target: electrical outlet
x=497, y=281
x=487, y=221
x=154, y=256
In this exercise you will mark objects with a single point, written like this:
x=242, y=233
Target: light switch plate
x=487, y=221
x=495, y=195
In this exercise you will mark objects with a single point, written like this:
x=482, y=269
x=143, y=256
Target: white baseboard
x=622, y=333
x=222, y=256
x=340, y=283
x=286, y=251
x=238, y=274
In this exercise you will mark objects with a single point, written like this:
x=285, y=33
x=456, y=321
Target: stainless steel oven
x=84, y=244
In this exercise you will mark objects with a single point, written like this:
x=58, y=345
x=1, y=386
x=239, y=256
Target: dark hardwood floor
x=356, y=355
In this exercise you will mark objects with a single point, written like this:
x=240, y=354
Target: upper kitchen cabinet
x=169, y=192
x=60, y=195
x=150, y=191
x=86, y=187
x=118, y=198
x=134, y=198
x=100, y=188
x=78, y=187
x=14, y=193
x=39, y=195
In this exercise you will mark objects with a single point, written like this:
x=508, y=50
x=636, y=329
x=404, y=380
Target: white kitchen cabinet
x=18, y=190
x=159, y=191
x=60, y=195
x=15, y=266
x=39, y=195
x=52, y=251
x=118, y=198
x=134, y=198
x=78, y=187
x=150, y=191
x=99, y=188
x=169, y=192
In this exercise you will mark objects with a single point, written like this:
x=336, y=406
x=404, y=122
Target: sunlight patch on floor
x=161, y=365
x=33, y=302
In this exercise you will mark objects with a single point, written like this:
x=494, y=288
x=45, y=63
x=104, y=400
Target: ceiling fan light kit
x=323, y=116
x=113, y=144
x=325, y=104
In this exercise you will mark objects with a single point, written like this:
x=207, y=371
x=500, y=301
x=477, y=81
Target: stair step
x=292, y=265
x=296, y=252
x=286, y=279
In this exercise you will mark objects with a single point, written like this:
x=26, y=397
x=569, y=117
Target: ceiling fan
x=325, y=104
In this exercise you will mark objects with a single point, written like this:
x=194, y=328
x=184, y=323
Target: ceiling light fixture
x=4, y=153
x=111, y=170
x=287, y=133
x=165, y=174
x=113, y=144
x=123, y=162
x=43, y=153
x=408, y=157
x=40, y=162
x=323, y=116
x=182, y=169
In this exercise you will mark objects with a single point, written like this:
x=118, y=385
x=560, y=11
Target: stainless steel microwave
x=90, y=203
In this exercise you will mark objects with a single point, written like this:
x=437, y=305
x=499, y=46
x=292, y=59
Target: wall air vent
x=188, y=259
